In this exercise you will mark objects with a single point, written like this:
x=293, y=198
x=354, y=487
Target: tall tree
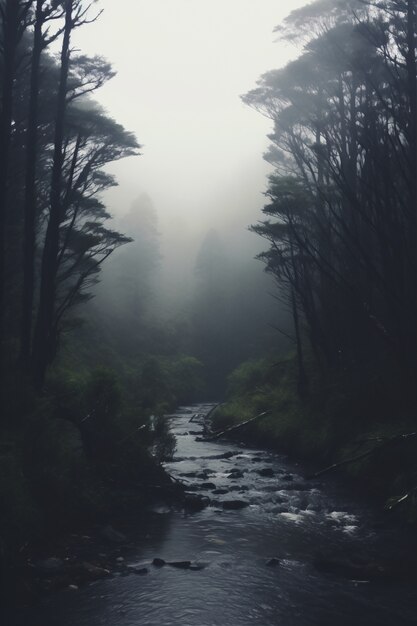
x=14, y=16
x=44, y=13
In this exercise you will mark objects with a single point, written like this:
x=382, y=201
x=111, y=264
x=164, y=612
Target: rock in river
x=180, y=564
x=234, y=505
x=268, y=472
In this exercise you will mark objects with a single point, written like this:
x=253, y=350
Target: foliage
x=341, y=217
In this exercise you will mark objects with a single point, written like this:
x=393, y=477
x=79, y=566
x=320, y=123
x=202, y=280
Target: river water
x=286, y=517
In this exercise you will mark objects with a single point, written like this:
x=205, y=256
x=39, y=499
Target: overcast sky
x=182, y=65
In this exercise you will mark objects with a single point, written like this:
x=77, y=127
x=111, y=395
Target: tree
x=45, y=12
x=14, y=19
x=76, y=160
x=343, y=206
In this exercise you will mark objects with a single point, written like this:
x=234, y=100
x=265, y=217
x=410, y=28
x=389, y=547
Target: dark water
x=287, y=517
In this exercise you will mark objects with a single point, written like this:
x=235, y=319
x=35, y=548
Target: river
x=234, y=581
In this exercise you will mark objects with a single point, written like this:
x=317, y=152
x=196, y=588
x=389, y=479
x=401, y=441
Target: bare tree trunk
x=302, y=376
x=411, y=63
x=11, y=18
x=29, y=241
x=44, y=339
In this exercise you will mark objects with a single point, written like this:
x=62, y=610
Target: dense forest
x=97, y=344
x=341, y=227
x=94, y=350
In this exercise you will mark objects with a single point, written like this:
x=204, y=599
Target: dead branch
x=383, y=442
x=232, y=428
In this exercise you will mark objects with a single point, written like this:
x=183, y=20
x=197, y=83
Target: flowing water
x=286, y=517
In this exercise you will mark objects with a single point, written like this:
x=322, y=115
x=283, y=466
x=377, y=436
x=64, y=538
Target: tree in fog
x=126, y=296
x=56, y=141
x=341, y=220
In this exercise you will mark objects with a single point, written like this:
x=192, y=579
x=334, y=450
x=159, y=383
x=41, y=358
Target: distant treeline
x=341, y=218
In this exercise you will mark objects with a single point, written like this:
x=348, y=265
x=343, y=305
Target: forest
x=100, y=339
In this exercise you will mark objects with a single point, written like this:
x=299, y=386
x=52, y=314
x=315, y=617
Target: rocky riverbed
x=252, y=543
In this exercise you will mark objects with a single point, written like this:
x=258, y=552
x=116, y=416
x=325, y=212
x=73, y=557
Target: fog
x=181, y=67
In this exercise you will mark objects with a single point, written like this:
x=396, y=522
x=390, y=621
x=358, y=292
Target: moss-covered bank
x=327, y=426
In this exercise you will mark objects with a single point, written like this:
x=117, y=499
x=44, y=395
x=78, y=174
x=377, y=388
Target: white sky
x=182, y=65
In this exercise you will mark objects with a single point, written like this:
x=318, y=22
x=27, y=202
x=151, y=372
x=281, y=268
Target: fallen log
x=202, y=414
x=232, y=428
x=383, y=442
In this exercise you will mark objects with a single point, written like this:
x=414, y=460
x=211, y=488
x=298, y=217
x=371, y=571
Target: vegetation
x=341, y=227
x=331, y=429
x=78, y=441
x=88, y=370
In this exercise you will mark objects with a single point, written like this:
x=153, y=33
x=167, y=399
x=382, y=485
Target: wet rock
x=239, y=488
x=158, y=562
x=288, y=477
x=227, y=455
x=193, y=502
x=235, y=474
x=268, y=472
x=112, y=535
x=220, y=492
x=234, y=505
x=139, y=571
x=189, y=474
x=208, y=486
x=257, y=459
x=274, y=562
x=191, y=487
x=195, y=432
x=180, y=564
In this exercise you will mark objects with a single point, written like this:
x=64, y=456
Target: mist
x=201, y=165
x=208, y=305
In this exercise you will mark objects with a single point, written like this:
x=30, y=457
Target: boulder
x=234, y=505
x=268, y=472
x=235, y=474
x=194, y=502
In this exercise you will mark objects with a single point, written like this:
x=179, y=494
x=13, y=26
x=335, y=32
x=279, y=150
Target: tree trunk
x=44, y=340
x=29, y=241
x=11, y=36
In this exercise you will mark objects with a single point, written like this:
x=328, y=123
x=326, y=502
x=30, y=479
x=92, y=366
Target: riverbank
x=325, y=430
x=87, y=545
x=261, y=563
